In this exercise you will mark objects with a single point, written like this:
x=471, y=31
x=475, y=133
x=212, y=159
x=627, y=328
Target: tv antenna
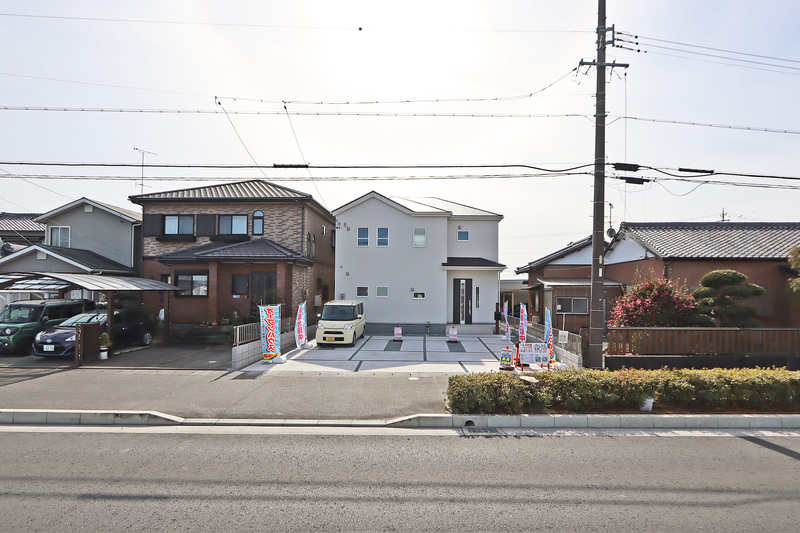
x=143, y=152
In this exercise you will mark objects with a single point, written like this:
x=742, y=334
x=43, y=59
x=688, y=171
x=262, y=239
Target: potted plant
x=105, y=344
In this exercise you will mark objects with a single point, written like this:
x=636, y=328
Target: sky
x=467, y=84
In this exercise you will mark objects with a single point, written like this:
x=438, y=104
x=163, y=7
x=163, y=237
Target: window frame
x=230, y=219
x=459, y=233
x=234, y=284
x=377, y=291
x=366, y=291
x=362, y=242
x=178, y=226
x=418, y=295
x=424, y=238
x=382, y=242
x=560, y=303
x=192, y=274
x=258, y=218
x=61, y=231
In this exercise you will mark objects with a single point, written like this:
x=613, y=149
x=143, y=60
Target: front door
x=263, y=290
x=462, y=301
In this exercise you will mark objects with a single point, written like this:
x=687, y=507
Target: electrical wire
x=704, y=124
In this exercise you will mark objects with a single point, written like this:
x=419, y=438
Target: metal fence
x=246, y=333
x=570, y=352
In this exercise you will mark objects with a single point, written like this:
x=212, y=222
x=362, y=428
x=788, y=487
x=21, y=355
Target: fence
x=246, y=333
x=703, y=341
x=570, y=352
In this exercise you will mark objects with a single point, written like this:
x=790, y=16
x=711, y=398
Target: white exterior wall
x=483, y=238
x=400, y=266
x=484, y=282
x=626, y=250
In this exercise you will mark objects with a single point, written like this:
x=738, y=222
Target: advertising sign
x=526, y=353
x=505, y=357
x=300, y=338
x=540, y=354
x=548, y=331
x=523, y=323
x=453, y=334
x=563, y=336
x=398, y=334
x=507, y=336
x=270, y=318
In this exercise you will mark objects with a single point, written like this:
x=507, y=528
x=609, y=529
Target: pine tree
x=718, y=298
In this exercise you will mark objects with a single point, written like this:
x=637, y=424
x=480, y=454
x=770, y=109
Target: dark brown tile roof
x=715, y=240
x=263, y=250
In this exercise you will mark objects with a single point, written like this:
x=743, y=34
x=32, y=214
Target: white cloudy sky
x=442, y=56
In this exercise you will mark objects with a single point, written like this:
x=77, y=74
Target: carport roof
x=52, y=281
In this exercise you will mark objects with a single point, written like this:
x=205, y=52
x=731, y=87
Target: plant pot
x=103, y=353
x=647, y=405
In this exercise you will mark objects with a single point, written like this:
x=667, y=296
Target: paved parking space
x=425, y=354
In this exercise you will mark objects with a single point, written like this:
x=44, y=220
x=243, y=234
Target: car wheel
x=147, y=338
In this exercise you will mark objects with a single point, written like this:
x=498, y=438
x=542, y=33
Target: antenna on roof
x=143, y=152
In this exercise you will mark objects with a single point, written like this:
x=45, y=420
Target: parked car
x=341, y=322
x=130, y=327
x=20, y=321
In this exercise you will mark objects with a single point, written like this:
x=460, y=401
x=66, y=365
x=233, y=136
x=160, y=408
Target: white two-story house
x=419, y=263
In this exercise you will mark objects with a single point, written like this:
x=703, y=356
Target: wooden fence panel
x=702, y=341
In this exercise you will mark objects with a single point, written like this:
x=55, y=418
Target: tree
x=718, y=296
x=794, y=260
x=654, y=303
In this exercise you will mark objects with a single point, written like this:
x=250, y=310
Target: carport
x=62, y=283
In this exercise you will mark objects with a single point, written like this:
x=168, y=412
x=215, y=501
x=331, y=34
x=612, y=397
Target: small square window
x=240, y=284
x=463, y=235
x=419, y=295
x=363, y=237
x=383, y=237
x=381, y=292
x=362, y=292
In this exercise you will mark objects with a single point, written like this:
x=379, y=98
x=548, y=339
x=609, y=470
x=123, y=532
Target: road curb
x=421, y=421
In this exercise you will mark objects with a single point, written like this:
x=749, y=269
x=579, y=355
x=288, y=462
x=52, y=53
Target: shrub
x=717, y=298
x=655, y=303
x=582, y=390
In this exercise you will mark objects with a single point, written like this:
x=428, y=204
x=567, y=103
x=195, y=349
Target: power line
x=706, y=125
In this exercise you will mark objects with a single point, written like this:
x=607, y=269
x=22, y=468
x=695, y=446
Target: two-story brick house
x=420, y=263
x=235, y=246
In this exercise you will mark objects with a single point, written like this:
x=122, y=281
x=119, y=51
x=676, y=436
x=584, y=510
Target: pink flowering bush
x=654, y=303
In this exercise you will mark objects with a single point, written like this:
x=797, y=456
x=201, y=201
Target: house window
x=240, y=284
x=477, y=297
x=419, y=295
x=166, y=278
x=179, y=225
x=59, y=236
x=324, y=229
x=233, y=224
x=420, y=238
x=463, y=235
x=313, y=246
x=192, y=283
x=572, y=306
x=363, y=237
x=258, y=223
x=333, y=238
x=383, y=237
x=381, y=292
x=362, y=292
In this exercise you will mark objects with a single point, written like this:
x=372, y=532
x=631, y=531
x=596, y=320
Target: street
x=114, y=479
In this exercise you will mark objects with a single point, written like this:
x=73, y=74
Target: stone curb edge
x=421, y=421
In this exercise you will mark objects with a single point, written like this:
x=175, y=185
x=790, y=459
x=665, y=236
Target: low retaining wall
x=245, y=355
x=655, y=362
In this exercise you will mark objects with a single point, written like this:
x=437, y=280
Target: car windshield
x=20, y=313
x=338, y=312
x=85, y=318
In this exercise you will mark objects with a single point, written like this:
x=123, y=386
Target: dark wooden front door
x=462, y=301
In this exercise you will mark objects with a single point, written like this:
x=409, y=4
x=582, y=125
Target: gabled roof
x=259, y=250
x=238, y=191
x=84, y=259
x=714, y=240
x=20, y=222
x=126, y=214
x=421, y=206
x=568, y=249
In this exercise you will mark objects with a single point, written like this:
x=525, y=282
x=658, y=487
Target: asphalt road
x=238, y=480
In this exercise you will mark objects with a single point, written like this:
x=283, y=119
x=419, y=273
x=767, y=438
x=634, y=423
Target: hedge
x=584, y=390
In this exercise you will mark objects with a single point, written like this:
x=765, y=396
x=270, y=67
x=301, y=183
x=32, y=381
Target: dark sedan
x=130, y=327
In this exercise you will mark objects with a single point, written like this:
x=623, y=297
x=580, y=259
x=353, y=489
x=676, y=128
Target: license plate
x=329, y=339
x=49, y=348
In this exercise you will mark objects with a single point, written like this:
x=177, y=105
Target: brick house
x=235, y=246
x=680, y=251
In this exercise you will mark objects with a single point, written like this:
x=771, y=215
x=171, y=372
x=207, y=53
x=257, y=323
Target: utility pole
x=597, y=315
x=143, y=152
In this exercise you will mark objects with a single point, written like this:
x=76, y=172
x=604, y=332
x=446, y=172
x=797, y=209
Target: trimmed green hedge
x=582, y=390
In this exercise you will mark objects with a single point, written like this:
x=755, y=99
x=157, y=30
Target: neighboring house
x=683, y=252
x=419, y=263
x=561, y=282
x=82, y=237
x=235, y=246
x=20, y=229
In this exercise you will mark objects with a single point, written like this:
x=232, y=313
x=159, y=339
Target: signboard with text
x=270, y=318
